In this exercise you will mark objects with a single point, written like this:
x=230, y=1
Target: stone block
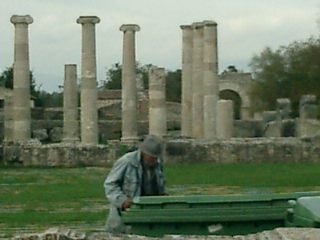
x=283, y=108
x=307, y=127
x=272, y=129
x=56, y=134
x=40, y=134
x=247, y=128
x=308, y=107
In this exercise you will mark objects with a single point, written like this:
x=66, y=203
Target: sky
x=245, y=28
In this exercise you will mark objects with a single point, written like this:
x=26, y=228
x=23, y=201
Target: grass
x=245, y=175
x=39, y=198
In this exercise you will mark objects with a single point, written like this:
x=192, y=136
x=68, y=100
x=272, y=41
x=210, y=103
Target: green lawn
x=38, y=198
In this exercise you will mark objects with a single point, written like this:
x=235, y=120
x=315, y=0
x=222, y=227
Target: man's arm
x=113, y=182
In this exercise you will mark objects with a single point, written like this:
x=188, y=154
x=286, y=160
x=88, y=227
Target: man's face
x=148, y=160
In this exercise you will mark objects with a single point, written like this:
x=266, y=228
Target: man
x=137, y=173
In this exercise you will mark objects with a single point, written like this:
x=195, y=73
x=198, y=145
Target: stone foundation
x=245, y=150
x=33, y=153
x=259, y=150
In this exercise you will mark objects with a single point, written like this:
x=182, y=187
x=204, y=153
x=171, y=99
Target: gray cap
x=151, y=145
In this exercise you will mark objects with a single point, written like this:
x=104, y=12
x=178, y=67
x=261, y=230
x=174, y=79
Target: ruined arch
x=240, y=90
x=237, y=102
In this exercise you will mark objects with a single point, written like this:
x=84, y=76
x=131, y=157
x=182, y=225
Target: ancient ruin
x=186, y=95
x=210, y=79
x=206, y=125
x=21, y=79
x=129, y=85
x=307, y=124
x=197, y=81
x=157, y=102
x=70, y=104
x=89, y=115
x=225, y=119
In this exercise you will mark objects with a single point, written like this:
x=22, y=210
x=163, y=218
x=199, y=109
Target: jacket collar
x=136, y=160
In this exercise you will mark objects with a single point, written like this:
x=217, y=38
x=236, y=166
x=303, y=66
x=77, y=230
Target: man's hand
x=127, y=204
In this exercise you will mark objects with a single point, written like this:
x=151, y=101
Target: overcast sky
x=245, y=27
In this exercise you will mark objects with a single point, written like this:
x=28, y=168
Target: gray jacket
x=123, y=182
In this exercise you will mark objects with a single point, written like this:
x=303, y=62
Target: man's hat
x=151, y=145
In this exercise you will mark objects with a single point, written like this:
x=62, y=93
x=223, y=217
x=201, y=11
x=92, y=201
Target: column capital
x=209, y=23
x=186, y=27
x=129, y=27
x=88, y=19
x=25, y=19
x=197, y=25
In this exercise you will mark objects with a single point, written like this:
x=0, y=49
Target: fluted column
x=21, y=78
x=88, y=98
x=70, y=104
x=157, y=102
x=129, y=88
x=186, y=95
x=210, y=79
x=197, y=81
x=225, y=119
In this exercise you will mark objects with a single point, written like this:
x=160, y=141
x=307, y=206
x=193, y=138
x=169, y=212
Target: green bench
x=304, y=212
x=203, y=215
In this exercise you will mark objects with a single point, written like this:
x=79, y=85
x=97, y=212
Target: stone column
x=129, y=88
x=197, y=81
x=283, y=110
x=157, y=102
x=210, y=79
x=21, y=79
x=225, y=119
x=70, y=104
x=308, y=107
x=89, y=114
x=307, y=123
x=186, y=95
x=8, y=117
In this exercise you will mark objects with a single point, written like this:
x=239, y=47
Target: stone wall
x=247, y=128
x=47, y=123
x=248, y=150
x=33, y=153
x=307, y=127
x=245, y=150
x=283, y=128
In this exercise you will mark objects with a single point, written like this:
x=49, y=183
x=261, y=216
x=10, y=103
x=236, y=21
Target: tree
x=288, y=72
x=54, y=99
x=113, y=79
x=173, y=80
x=6, y=80
x=173, y=86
